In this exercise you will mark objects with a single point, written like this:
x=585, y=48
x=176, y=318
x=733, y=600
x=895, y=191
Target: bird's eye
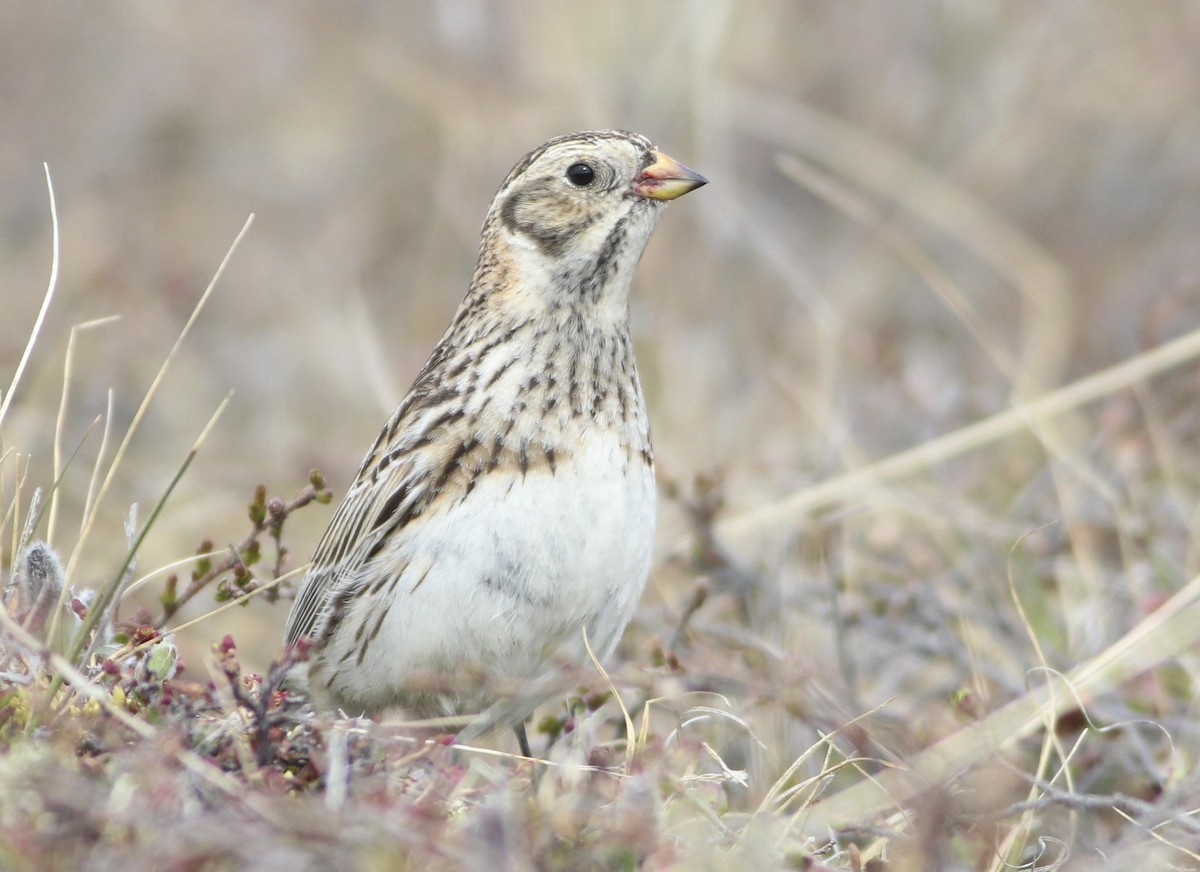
x=580, y=175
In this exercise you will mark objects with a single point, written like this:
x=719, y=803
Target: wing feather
x=365, y=520
x=429, y=448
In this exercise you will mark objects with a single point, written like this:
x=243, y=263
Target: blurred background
x=917, y=211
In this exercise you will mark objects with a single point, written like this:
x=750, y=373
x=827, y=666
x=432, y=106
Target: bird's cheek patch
x=522, y=216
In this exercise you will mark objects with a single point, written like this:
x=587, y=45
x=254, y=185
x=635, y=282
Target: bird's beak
x=666, y=179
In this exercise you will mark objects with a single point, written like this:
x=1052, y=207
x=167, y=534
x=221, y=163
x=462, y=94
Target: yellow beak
x=666, y=179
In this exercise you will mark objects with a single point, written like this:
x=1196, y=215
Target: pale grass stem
x=223, y=607
x=1172, y=629
x=62, y=414
x=65, y=593
x=90, y=501
x=149, y=396
x=1191, y=854
x=630, y=733
x=95, y=498
x=14, y=504
x=1013, y=844
x=758, y=524
x=932, y=197
x=644, y=730
x=906, y=248
x=778, y=796
x=105, y=596
x=167, y=567
x=6, y=400
x=35, y=518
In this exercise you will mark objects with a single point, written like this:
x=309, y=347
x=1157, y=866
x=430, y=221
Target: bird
x=500, y=528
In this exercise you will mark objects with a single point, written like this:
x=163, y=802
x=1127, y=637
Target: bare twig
x=266, y=517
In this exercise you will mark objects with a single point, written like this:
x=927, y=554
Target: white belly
x=500, y=587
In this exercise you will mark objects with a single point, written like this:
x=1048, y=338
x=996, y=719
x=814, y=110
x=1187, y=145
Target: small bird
x=507, y=508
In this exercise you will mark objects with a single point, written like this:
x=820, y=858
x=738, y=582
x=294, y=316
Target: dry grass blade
x=6, y=400
x=907, y=249
x=1169, y=632
x=108, y=593
x=34, y=515
x=146, y=400
x=630, y=733
x=86, y=633
x=1011, y=852
x=175, y=564
x=760, y=523
x=929, y=195
x=224, y=607
x=1188, y=852
x=62, y=414
x=12, y=513
x=89, y=502
x=94, y=481
x=780, y=795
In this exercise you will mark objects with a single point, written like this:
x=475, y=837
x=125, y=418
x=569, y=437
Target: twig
x=265, y=517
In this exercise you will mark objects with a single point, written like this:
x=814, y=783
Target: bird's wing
x=370, y=513
x=392, y=487
x=431, y=449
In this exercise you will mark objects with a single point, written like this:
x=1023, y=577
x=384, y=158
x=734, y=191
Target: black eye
x=581, y=175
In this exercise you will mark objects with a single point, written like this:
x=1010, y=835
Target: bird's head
x=572, y=218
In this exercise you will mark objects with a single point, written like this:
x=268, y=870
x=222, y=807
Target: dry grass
x=922, y=368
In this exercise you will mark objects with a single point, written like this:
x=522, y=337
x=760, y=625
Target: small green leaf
x=162, y=660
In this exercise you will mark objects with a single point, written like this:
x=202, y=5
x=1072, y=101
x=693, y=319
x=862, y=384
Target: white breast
x=503, y=583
